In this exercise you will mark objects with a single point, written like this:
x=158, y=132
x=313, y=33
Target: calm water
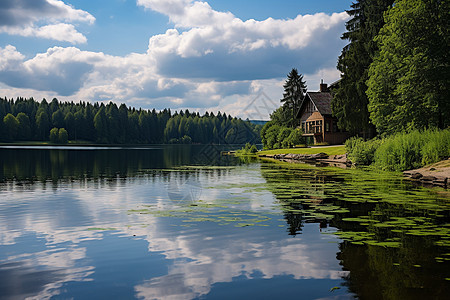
x=183, y=222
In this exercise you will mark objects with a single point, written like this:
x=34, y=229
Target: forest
x=59, y=122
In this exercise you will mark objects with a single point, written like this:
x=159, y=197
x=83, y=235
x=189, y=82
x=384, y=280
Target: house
x=315, y=116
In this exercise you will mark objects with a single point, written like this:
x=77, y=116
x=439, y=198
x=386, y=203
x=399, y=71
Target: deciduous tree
x=409, y=80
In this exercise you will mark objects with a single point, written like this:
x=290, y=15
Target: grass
x=402, y=151
x=333, y=150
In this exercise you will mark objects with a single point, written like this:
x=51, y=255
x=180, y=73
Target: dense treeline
x=29, y=120
x=396, y=68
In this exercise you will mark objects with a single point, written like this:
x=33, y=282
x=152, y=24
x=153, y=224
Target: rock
x=428, y=178
x=319, y=156
x=416, y=176
x=441, y=180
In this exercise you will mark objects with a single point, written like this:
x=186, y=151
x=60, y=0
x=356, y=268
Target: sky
x=214, y=55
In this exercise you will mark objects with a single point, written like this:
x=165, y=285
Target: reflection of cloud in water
x=198, y=264
x=40, y=275
x=197, y=258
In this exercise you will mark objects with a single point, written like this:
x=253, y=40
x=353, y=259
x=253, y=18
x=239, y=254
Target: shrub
x=402, y=151
x=283, y=135
x=295, y=138
x=361, y=152
x=248, y=149
x=437, y=147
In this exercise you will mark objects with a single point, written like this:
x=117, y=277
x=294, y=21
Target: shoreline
x=434, y=175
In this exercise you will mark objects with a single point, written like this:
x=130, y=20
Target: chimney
x=323, y=87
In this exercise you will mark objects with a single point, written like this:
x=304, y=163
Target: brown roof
x=322, y=101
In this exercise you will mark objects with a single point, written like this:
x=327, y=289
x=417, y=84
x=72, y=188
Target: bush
x=248, y=149
x=295, y=138
x=437, y=147
x=402, y=151
x=276, y=136
x=361, y=152
x=283, y=135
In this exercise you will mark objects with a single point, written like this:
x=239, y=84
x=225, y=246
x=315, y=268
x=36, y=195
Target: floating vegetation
x=100, y=229
x=373, y=208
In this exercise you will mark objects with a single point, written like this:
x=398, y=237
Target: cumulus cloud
x=208, y=60
x=220, y=46
x=20, y=17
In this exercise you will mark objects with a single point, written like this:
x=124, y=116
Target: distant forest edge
x=28, y=120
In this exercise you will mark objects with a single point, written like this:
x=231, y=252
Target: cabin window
x=327, y=126
x=319, y=126
x=303, y=126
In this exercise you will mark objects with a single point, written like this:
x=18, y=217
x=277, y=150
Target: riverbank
x=328, y=150
x=437, y=174
x=326, y=155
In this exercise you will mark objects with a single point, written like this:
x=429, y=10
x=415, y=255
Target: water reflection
x=42, y=165
x=397, y=234
x=156, y=224
x=130, y=224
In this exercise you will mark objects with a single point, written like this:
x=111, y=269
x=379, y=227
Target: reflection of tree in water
x=30, y=165
x=408, y=270
x=297, y=192
x=391, y=273
x=295, y=222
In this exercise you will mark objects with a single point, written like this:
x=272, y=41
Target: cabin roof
x=322, y=101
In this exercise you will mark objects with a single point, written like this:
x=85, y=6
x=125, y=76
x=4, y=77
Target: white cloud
x=216, y=61
x=21, y=18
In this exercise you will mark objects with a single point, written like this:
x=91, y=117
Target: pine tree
x=294, y=93
x=350, y=101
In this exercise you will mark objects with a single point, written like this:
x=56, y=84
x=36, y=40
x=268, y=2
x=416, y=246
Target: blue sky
x=213, y=55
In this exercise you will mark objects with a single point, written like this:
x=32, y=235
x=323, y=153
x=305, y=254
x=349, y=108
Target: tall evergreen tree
x=294, y=93
x=350, y=101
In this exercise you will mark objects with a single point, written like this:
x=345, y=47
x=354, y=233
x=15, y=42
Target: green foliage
x=350, y=101
x=11, y=126
x=408, y=86
x=248, y=149
x=275, y=136
x=437, y=147
x=283, y=134
x=118, y=125
x=24, y=131
x=42, y=124
x=402, y=151
x=295, y=138
x=63, y=136
x=281, y=116
x=270, y=138
x=294, y=93
x=58, y=118
x=54, y=135
x=361, y=152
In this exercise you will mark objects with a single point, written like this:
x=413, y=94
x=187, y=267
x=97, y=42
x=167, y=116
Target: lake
x=184, y=222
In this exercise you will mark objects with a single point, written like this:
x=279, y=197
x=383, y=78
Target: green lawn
x=330, y=150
